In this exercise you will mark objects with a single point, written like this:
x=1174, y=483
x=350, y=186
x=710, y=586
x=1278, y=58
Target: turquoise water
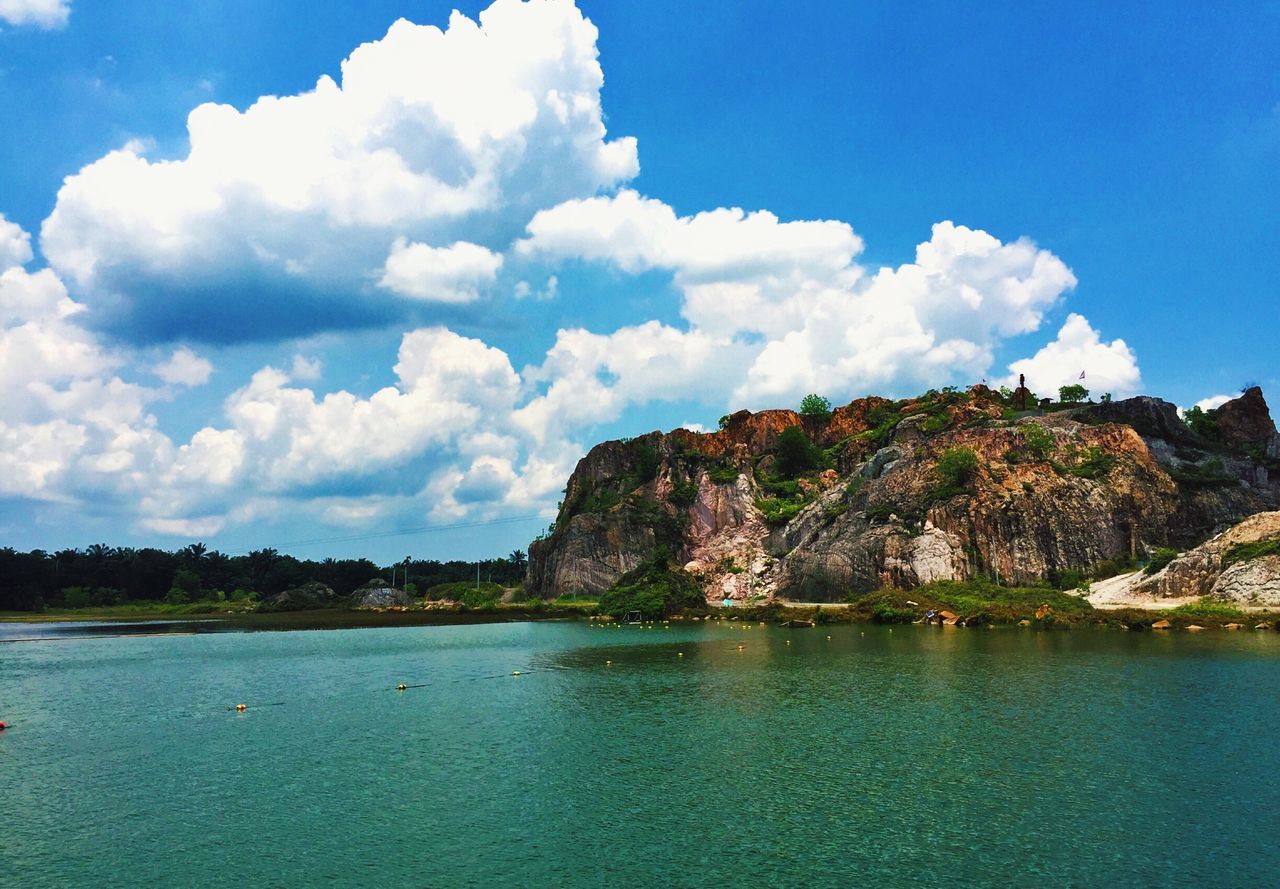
x=921, y=756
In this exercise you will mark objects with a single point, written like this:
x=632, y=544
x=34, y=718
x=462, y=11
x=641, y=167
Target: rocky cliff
x=949, y=485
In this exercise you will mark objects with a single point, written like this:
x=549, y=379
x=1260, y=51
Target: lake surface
x=921, y=756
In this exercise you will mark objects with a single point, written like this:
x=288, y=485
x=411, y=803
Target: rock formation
x=1056, y=492
x=377, y=593
x=1221, y=567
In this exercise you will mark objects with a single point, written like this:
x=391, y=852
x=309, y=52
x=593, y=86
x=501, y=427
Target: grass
x=1210, y=608
x=1244, y=552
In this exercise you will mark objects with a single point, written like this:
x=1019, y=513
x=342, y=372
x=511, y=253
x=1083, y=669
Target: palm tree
x=518, y=560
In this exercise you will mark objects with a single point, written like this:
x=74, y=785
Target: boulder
x=1232, y=626
x=1161, y=625
x=378, y=594
x=1194, y=628
x=1246, y=421
x=1024, y=623
x=303, y=598
x=1253, y=582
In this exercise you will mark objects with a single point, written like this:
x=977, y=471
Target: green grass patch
x=1244, y=552
x=1207, y=607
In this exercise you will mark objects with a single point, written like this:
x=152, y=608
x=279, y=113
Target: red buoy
x=3, y=726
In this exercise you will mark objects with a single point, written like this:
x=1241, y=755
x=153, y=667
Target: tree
x=796, y=454
x=518, y=560
x=956, y=469
x=815, y=406
x=1073, y=394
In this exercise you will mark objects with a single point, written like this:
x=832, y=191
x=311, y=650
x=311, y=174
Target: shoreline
x=778, y=614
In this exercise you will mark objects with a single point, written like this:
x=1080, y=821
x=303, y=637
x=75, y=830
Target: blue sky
x=414, y=295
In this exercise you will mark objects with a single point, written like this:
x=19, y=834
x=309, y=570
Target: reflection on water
x=684, y=754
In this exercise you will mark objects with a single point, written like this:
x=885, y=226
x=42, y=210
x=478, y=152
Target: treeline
x=102, y=575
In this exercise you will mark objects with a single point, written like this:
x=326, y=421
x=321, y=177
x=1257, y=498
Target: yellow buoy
x=828, y=638
x=788, y=641
x=515, y=672
x=608, y=663
x=240, y=708
x=679, y=654
x=401, y=687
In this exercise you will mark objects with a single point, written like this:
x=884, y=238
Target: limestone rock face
x=1253, y=583
x=1246, y=420
x=1198, y=571
x=1052, y=493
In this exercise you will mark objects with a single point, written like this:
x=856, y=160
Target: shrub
x=1038, y=441
x=796, y=453
x=724, y=421
x=683, y=493
x=1243, y=552
x=1073, y=394
x=1094, y=463
x=1202, y=423
x=1210, y=473
x=723, y=475
x=1207, y=607
x=886, y=613
x=815, y=406
x=956, y=469
x=647, y=460
x=1160, y=557
x=655, y=589
x=778, y=511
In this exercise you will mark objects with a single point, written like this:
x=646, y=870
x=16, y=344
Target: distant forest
x=103, y=575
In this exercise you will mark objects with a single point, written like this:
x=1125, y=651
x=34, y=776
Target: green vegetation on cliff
x=655, y=589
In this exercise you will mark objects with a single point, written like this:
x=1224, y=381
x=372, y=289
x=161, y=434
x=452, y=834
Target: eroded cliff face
x=1050, y=493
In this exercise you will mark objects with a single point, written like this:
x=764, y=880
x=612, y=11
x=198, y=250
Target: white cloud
x=184, y=368
x=40, y=13
x=15, y=245
x=305, y=369
x=431, y=136
x=441, y=163
x=1213, y=401
x=827, y=325
x=1108, y=367
x=441, y=274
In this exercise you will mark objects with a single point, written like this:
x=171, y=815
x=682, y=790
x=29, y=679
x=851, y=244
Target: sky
x=368, y=278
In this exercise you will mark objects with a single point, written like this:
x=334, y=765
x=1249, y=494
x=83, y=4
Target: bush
x=815, y=406
x=1243, y=552
x=1038, y=441
x=778, y=511
x=796, y=453
x=683, y=493
x=886, y=613
x=723, y=475
x=1073, y=394
x=1094, y=463
x=655, y=589
x=956, y=469
x=1202, y=423
x=724, y=421
x=1160, y=557
x=1207, y=607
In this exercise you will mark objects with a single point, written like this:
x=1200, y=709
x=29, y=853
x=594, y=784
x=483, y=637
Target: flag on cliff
x=1082, y=375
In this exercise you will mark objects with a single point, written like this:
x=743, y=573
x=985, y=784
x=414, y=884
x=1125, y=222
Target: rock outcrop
x=377, y=593
x=1209, y=569
x=304, y=598
x=1051, y=492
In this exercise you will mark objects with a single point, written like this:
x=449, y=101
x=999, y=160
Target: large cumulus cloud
x=442, y=165
x=431, y=135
